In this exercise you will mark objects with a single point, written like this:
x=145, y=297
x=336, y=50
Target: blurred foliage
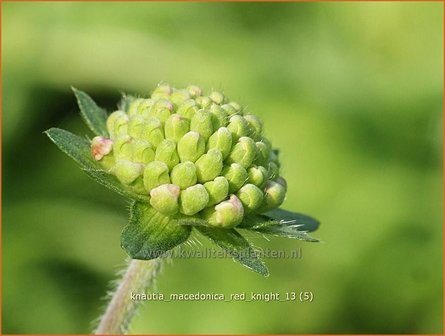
x=350, y=92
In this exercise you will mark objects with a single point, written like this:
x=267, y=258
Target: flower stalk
x=139, y=277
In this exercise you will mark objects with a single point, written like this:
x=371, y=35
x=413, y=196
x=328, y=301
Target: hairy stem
x=139, y=276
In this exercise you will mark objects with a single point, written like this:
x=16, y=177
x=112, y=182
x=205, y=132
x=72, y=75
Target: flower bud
x=155, y=174
x=281, y=181
x=123, y=149
x=221, y=140
x=161, y=109
x=263, y=152
x=236, y=175
x=226, y=214
x=152, y=131
x=142, y=151
x=217, y=97
x=251, y=197
x=179, y=96
x=191, y=147
x=176, y=127
x=184, y=175
x=209, y=165
x=238, y=126
x=193, y=199
x=101, y=146
x=144, y=107
x=134, y=106
x=219, y=117
x=166, y=152
x=255, y=126
x=236, y=106
x=244, y=152
x=163, y=90
x=229, y=109
x=136, y=126
x=165, y=199
x=273, y=170
x=194, y=90
x=126, y=171
x=203, y=101
x=274, y=194
x=218, y=189
x=202, y=123
x=188, y=109
x=257, y=175
x=117, y=123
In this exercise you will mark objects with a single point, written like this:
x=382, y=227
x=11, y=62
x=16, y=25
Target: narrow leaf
x=307, y=223
x=150, y=234
x=94, y=116
x=236, y=245
x=79, y=150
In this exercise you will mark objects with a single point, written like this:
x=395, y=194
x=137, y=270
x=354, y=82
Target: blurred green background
x=351, y=93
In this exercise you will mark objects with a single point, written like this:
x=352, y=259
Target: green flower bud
x=255, y=126
x=184, y=175
x=209, y=165
x=281, y=181
x=166, y=152
x=144, y=107
x=176, y=127
x=193, y=199
x=117, y=123
x=202, y=123
x=155, y=174
x=263, y=152
x=236, y=175
x=142, y=151
x=194, y=90
x=244, y=152
x=152, y=131
x=134, y=106
x=236, y=106
x=136, y=126
x=221, y=140
x=238, y=126
x=217, y=97
x=251, y=197
x=274, y=194
x=257, y=175
x=163, y=90
x=191, y=147
x=204, y=102
x=273, y=170
x=165, y=199
x=219, y=117
x=126, y=171
x=161, y=109
x=122, y=148
x=188, y=109
x=229, y=109
x=226, y=214
x=179, y=96
x=218, y=189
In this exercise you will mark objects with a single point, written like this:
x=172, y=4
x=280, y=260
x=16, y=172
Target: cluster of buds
x=193, y=154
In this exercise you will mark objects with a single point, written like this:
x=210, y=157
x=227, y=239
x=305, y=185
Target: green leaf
x=307, y=223
x=150, y=234
x=94, y=116
x=78, y=149
x=236, y=245
x=282, y=223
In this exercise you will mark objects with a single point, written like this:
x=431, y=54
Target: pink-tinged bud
x=101, y=146
x=165, y=199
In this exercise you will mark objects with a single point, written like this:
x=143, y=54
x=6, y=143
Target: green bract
x=186, y=160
